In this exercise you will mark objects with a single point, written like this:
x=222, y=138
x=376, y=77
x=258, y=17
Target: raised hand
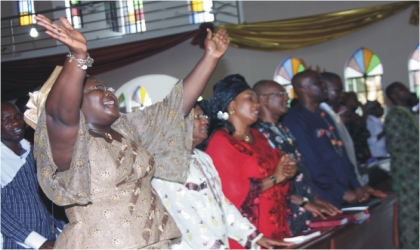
x=217, y=44
x=65, y=33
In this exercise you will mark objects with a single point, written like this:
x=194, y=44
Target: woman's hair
x=224, y=92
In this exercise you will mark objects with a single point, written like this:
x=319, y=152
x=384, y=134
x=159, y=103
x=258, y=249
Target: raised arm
x=63, y=103
x=194, y=83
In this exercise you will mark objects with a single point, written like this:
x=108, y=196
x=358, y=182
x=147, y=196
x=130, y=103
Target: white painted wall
x=392, y=40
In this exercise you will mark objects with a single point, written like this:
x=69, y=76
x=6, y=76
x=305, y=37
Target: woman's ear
x=231, y=106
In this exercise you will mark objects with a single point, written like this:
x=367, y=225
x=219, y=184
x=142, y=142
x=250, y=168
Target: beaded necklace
x=337, y=144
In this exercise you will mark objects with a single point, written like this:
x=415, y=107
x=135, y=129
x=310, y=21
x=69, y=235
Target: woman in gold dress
x=98, y=163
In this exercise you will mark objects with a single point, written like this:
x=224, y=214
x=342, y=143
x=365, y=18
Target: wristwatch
x=273, y=178
x=305, y=200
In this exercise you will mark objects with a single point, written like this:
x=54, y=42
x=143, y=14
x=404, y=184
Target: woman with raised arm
x=99, y=163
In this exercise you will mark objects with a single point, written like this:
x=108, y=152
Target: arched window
x=413, y=71
x=140, y=99
x=363, y=74
x=200, y=11
x=144, y=91
x=285, y=72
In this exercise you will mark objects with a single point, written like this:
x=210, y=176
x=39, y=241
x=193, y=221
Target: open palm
x=217, y=44
x=65, y=33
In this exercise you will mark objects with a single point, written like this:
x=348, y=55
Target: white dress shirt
x=377, y=147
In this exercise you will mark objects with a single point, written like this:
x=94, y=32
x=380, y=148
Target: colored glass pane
x=141, y=98
x=295, y=63
x=25, y=19
x=374, y=61
x=301, y=68
x=131, y=18
x=287, y=69
x=121, y=100
x=197, y=6
x=353, y=65
x=283, y=73
x=75, y=11
x=365, y=62
x=358, y=57
x=378, y=70
x=26, y=8
x=367, y=55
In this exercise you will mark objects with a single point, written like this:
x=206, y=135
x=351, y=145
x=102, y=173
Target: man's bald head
x=262, y=86
x=308, y=85
x=272, y=98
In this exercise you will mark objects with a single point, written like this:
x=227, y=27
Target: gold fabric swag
x=296, y=33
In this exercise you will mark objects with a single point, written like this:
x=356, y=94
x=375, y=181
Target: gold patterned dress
x=109, y=200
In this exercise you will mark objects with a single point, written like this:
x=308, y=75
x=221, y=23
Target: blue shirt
x=22, y=210
x=329, y=166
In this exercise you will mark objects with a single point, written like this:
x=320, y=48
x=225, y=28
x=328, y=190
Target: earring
x=231, y=112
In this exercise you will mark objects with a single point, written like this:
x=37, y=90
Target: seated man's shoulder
x=295, y=115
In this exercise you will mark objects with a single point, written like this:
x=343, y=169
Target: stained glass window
x=74, y=13
x=140, y=99
x=363, y=74
x=200, y=11
x=26, y=8
x=133, y=13
x=285, y=72
x=413, y=69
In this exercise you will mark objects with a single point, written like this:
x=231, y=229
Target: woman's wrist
x=79, y=54
x=281, y=179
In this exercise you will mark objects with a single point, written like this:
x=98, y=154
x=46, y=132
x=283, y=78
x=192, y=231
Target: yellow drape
x=296, y=33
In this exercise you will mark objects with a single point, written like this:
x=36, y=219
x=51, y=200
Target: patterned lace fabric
x=107, y=191
x=204, y=215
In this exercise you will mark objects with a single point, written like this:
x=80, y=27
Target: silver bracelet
x=81, y=63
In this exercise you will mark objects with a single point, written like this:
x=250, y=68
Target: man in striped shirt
x=25, y=221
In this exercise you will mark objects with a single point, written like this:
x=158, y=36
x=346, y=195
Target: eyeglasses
x=281, y=93
x=101, y=88
x=201, y=117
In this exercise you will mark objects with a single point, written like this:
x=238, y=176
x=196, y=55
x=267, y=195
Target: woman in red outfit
x=254, y=175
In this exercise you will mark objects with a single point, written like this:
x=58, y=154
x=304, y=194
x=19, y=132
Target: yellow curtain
x=296, y=33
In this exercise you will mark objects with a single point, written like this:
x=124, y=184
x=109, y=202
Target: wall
x=392, y=40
